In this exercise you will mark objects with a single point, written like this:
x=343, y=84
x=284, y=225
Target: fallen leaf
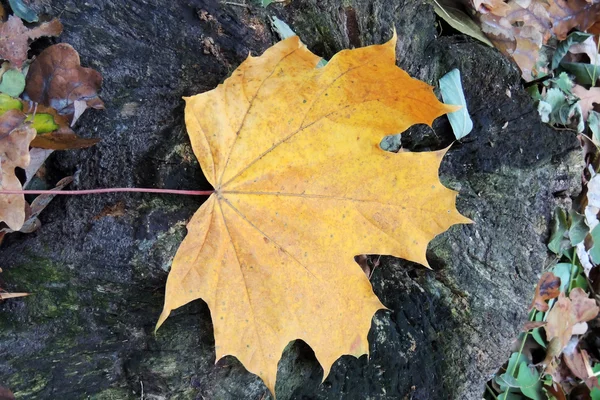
x=15, y=137
x=584, y=308
x=5, y=296
x=288, y=148
x=459, y=20
x=37, y=158
x=548, y=287
x=6, y=394
x=15, y=38
x=13, y=83
x=521, y=30
x=529, y=325
x=452, y=93
x=569, y=45
x=589, y=48
x=115, y=210
x=588, y=97
x=23, y=11
x=56, y=79
x=53, y=130
x=567, y=312
x=577, y=360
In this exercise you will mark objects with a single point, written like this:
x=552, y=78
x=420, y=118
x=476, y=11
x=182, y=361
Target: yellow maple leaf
x=301, y=187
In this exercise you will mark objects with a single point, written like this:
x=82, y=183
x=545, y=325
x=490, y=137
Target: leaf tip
x=163, y=317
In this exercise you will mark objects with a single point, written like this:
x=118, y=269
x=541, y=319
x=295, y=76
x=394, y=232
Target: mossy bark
x=98, y=280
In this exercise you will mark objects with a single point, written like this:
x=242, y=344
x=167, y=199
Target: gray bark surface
x=98, y=281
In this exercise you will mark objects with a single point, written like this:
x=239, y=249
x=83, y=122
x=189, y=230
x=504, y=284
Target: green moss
x=114, y=394
x=34, y=384
x=52, y=295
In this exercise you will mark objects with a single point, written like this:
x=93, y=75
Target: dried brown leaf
x=548, y=287
x=584, y=309
x=529, y=325
x=16, y=37
x=15, y=137
x=56, y=79
x=64, y=138
x=521, y=30
x=588, y=97
x=577, y=360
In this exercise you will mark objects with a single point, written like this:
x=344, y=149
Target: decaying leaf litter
x=40, y=100
x=555, y=46
x=524, y=373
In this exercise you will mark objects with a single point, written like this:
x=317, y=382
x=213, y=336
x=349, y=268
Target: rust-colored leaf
x=288, y=148
x=64, y=138
x=15, y=137
x=548, y=287
x=521, y=30
x=16, y=37
x=56, y=79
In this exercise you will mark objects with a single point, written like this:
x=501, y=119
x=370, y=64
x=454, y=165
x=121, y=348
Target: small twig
x=111, y=190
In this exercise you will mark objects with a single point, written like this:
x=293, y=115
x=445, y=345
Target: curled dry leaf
x=62, y=138
x=568, y=312
x=288, y=147
x=577, y=360
x=520, y=30
x=15, y=137
x=56, y=79
x=16, y=37
x=529, y=325
x=547, y=288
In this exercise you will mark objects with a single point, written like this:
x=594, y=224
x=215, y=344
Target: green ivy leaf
x=563, y=47
x=529, y=381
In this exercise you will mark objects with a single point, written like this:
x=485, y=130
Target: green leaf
x=529, y=381
x=565, y=45
x=534, y=92
x=452, y=93
x=535, y=333
x=595, y=394
x=13, y=83
x=509, y=396
x=22, y=11
x=283, y=30
x=43, y=123
x=594, y=124
x=578, y=229
x=265, y=3
x=563, y=271
x=595, y=250
x=563, y=82
x=581, y=282
x=559, y=228
x=8, y=103
x=584, y=73
x=507, y=382
x=460, y=21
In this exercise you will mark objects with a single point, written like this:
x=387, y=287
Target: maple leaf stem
x=111, y=190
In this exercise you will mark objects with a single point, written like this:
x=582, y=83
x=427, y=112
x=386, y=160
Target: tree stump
x=98, y=276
